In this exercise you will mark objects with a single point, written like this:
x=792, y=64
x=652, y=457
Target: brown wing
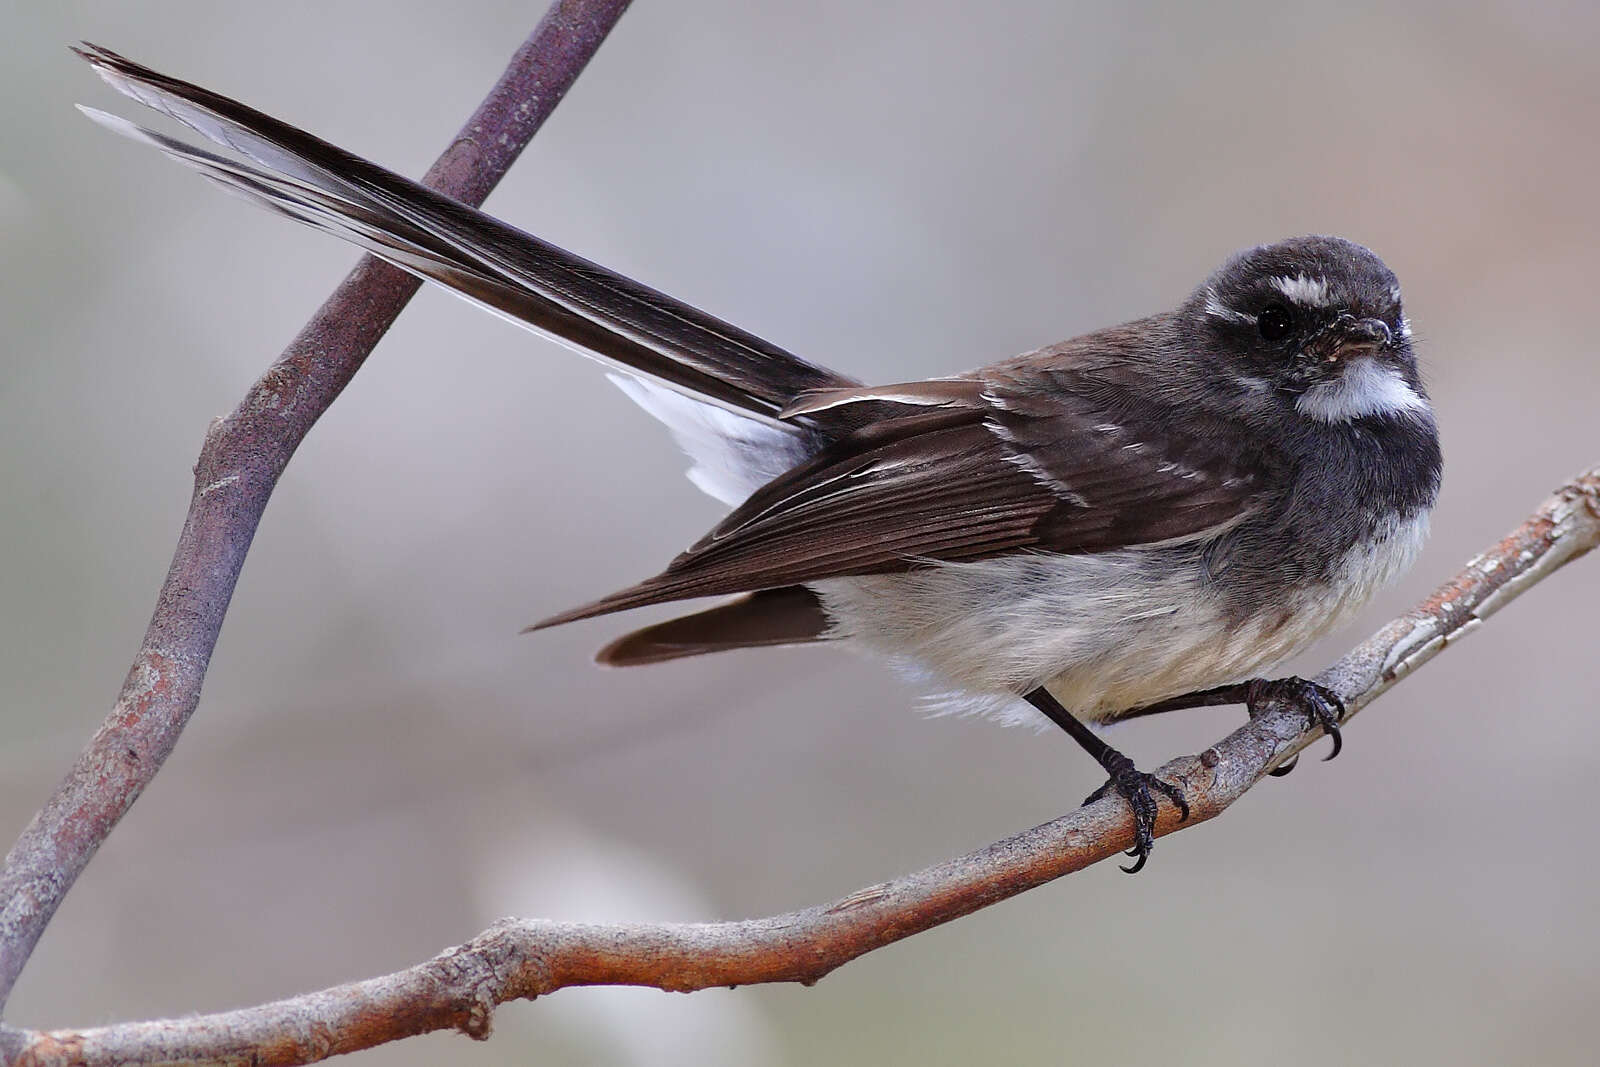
x=1053, y=453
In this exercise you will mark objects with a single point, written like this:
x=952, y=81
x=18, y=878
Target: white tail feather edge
x=733, y=455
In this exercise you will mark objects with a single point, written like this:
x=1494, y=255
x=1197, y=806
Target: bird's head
x=1317, y=322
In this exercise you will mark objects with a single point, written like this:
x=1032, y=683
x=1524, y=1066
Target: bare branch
x=519, y=958
x=239, y=465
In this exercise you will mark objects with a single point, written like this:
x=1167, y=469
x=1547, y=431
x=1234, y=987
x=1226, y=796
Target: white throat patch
x=1365, y=388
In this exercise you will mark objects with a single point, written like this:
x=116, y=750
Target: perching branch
x=239, y=465
x=518, y=958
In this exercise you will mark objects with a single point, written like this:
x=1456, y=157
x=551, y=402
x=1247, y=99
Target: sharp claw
x=1172, y=793
x=1138, y=792
x=1283, y=769
x=1322, y=706
x=1328, y=714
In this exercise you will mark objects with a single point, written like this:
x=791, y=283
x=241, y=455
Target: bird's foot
x=1137, y=788
x=1322, y=706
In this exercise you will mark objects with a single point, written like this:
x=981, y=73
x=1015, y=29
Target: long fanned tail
x=722, y=392
x=473, y=254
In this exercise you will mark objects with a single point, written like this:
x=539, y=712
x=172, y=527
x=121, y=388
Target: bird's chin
x=1365, y=385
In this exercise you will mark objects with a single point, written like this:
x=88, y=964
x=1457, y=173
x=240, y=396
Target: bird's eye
x=1275, y=322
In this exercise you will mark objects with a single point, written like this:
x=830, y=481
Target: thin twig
x=239, y=465
x=521, y=958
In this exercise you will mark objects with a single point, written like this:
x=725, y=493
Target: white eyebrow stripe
x=1303, y=289
x=1218, y=310
x=1365, y=388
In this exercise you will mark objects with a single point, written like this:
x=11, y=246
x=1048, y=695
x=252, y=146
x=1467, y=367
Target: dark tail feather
x=787, y=616
x=642, y=595
x=465, y=250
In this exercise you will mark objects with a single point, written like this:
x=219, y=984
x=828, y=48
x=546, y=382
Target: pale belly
x=1104, y=632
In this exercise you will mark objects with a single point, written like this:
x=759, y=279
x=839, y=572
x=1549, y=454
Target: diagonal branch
x=240, y=462
x=523, y=958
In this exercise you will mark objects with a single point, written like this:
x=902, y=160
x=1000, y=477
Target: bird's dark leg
x=1322, y=706
x=1132, y=784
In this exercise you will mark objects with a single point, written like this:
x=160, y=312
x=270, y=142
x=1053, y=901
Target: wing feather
x=1031, y=457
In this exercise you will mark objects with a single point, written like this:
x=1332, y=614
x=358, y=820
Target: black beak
x=1351, y=336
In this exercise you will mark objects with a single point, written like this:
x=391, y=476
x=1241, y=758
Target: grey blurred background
x=381, y=765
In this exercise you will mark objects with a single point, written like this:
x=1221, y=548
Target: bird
x=1141, y=519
